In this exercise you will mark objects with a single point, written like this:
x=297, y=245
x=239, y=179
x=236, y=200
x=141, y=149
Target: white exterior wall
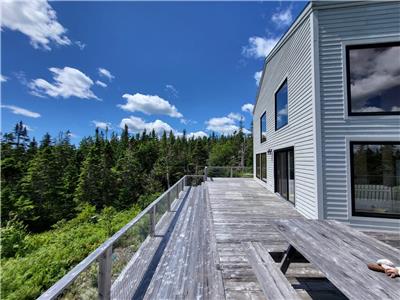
x=293, y=61
x=338, y=27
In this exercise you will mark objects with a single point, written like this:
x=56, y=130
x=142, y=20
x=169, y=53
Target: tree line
x=45, y=182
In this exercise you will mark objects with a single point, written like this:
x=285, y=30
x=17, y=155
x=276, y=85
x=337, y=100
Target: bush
x=46, y=257
x=12, y=238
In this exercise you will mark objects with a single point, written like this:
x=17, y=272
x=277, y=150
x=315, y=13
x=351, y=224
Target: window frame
x=264, y=115
x=275, y=115
x=258, y=161
x=354, y=213
x=348, y=83
x=263, y=167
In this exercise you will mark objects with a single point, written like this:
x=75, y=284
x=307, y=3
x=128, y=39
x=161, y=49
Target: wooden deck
x=198, y=252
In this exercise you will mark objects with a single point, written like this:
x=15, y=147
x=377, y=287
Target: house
x=327, y=115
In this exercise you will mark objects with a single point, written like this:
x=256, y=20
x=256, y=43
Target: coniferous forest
x=60, y=200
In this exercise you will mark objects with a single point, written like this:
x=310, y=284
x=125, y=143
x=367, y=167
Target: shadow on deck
x=198, y=250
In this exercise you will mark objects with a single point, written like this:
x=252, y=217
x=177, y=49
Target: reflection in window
x=281, y=106
x=376, y=179
x=264, y=166
x=373, y=73
x=258, y=165
x=263, y=128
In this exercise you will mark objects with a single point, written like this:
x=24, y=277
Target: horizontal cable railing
x=228, y=171
x=145, y=221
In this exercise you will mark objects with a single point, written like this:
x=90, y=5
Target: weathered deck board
x=187, y=269
x=273, y=282
x=134, y=278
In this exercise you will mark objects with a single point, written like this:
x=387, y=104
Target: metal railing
x=230, y=171
x=103, y=254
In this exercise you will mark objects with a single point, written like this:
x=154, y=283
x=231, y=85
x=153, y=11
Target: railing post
x=231, y=172
x=152, y=222
x=205, y=173
x=104, y=278
x=169, y=201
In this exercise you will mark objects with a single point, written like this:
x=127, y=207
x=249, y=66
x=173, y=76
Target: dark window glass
x=258, y=166
x=281, y=106
x=376, y=179
x=373, y=79
x=263, y=128
x=264, y=166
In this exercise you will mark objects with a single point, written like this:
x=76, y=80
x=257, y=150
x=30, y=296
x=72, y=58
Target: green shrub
x=12, y=238
x=46, y=257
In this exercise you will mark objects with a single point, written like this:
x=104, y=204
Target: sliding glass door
x=284, y=173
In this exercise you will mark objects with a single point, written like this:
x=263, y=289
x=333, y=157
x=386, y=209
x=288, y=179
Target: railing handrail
x=56, y=289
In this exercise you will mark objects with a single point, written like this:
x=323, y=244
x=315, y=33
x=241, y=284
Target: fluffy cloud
x=197, y=134
x=259, y=47
x=36, y=19
x=102, y=125
x=136, y=124
x=68, y=82
x=21, y=111
x=101, y=83
x=3, y=78
x=235, y=116
x=257, y=77
x=105, y=73
x=149, y=104
x=283, y=17
x=224, y=125
x=248, y=107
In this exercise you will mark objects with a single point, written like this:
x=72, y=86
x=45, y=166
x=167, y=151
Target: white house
x=327, y=115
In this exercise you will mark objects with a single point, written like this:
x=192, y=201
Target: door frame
x=286, y=149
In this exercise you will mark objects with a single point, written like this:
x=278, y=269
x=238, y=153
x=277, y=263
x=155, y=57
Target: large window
x=264, y=166
x=373, y=79
x=258, y=166
x=281, y=106
x=263, y=128
x=375, y=170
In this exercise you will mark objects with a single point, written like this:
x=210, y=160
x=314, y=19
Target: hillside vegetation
x=60, y=201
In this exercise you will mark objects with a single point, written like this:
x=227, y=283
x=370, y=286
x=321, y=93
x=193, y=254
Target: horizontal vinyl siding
x=339, y=26
x=292, y=61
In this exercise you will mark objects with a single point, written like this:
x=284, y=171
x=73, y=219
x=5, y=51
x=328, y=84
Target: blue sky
x=162, y=65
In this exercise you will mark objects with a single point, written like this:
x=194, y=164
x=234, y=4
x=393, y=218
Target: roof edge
x=297, y=22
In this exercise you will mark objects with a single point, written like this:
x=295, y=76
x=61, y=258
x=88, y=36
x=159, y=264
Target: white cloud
x=149, y=104
x=235, y=116
x=248, y=107
x=102, y=125
x=259, y=47
x=197, y=134
x=80, y=45
x=101, y=83
x=3, y=78
x=172, y=90
x=136, y=124
x=222, y=125
x=283, y=18
x=68, y=82
x=36, y=19
x=21, y=111
x=105, y=73
x=257, y=77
